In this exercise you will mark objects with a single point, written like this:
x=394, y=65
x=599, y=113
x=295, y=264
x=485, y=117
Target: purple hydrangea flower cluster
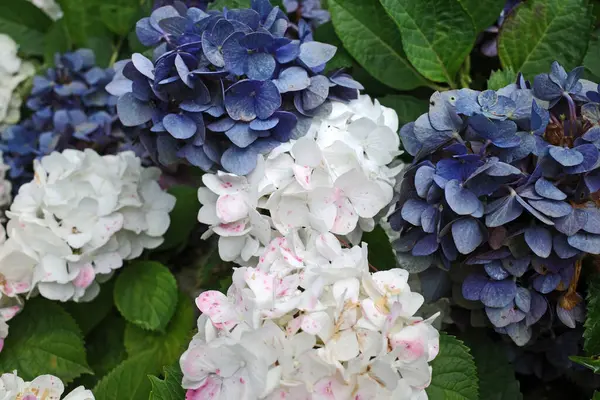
x=506, y=182
x=224, y=87
x=70, y=109
x=310, y=11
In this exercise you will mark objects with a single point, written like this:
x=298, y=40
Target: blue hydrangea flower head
x=70, y=107
x=223, y=87
x=310, y=11
x=503, y=183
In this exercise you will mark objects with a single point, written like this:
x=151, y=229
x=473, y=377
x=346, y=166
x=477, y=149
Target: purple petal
x=533, y=211
x=423, y=180
x=592, y=222
x=516, y=267
x=239, y=161
x=316, y=93
x=241, y=135
x=552, y=208
x=572, y=223
x=473, y=285
x=562, y=248
x=461, y=200
x=249, y=99
x=179, y=126
x=292, y=79
x=572, y=316
x=565, y=156
x=288, y=53
x=147, y=35
x=520, y=333
x=539, y=240
x=495, y=270
x=539, y=305
x=412, y=210
x=426, y=246
x=548, y=190
x=234, y=55
x=499, y=293
x=586, y=242
x=546, y=283
x=523, y=299
x=590, y=158
x=501, y=317
x=196, y=156
x=467, y=235
x=507, y=210
x=260, y=66
x=133, y=112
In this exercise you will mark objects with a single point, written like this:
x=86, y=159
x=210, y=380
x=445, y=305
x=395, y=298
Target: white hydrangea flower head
x=13, y=71
x=5, y=192
x=337, y=178
x=310, y=321
x=82, y=215
x=44, y=387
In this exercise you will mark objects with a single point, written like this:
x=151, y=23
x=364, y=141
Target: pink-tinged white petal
x=306, y=152
x=303, y=175
x=85, y=277
x=366, y=196
x=412, y=342
x=331, y=389
x=346, y=217
x=344, y=345
x=237, y=228
x=224, y=183
x=218, y=308
x=211, y=389
x=261, y=284
x=232, y=207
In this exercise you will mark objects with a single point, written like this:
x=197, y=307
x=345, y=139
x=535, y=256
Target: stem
x=572, y=112
x=116, y=50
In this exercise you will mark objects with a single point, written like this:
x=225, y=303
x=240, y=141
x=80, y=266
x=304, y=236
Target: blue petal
x=546, y=283
x=256, y=40
x=572, y=223
x=284, y=130
x=495, y=270
x=314, y=54
x=507, y=210
x=167, y=150
x=539, y=118
x=565, y=156
x=196, y=156
x=551, y=208
x=545, y=89
x=133, y=112
x=426, y=246
x=590, y=158
x=467, y=235
x=249, y=99
x=235, y=56
x=523, y=299
x=516, y=267
x=430, y=219
x=143, y=65
x=260, y=66
x=498, y=293
x=239, y=161
x=501, y=317
x=424, y=180
x=473, y=285
x=533, y=211
x=538, y=308
x=292, y=79
x=179, y=126
x=592, y=221
x=241, y=135
x=520, y=333
x=587, y=242
x=562, y=248
x=539, y=240
x=548, y=190
x=288, y=53
x=412, y=210
x=221, y=125
x=461, y=200
x=264, y=124
x=316, y=93
x=147, y=35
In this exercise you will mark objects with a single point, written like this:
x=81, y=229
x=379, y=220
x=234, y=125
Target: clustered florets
x=309, y=321
x=335, y=179
x=76, y=222
x=42, y=387
x=224, y=86
x=71, y=109
x=506, y=182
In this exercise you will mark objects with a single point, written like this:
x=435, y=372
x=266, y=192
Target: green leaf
x=381, y=255
x=342, y=59
x=591, y=333
x=220, y=4
x=437, y=35
x=75, y=17
x=56, y=41
x=501, y=78
x=88, y=315
x=118, y=16
x=146, y=294
x=496, y=376
x=538, y=32
x=454, y=372
x=408, y=108
x=168, y=388
x=183, y=217
x=374, y=41
x=25, y=13
x=102, y=47
x=483, y=13
x=30, y=41
x=591, y=62
x=168, y=346
x=44, y=339
x=129, y=380
x=592, y=363
x=105, y=349
x=596, y=396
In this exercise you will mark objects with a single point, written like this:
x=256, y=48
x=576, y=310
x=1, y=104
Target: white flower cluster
x=44, y=387
x=335, y=179
x=310, y=322
x=13, y=71
x=304, y=318
x=75, y=223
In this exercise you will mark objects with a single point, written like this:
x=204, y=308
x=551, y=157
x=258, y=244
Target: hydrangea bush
x=349, y=199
